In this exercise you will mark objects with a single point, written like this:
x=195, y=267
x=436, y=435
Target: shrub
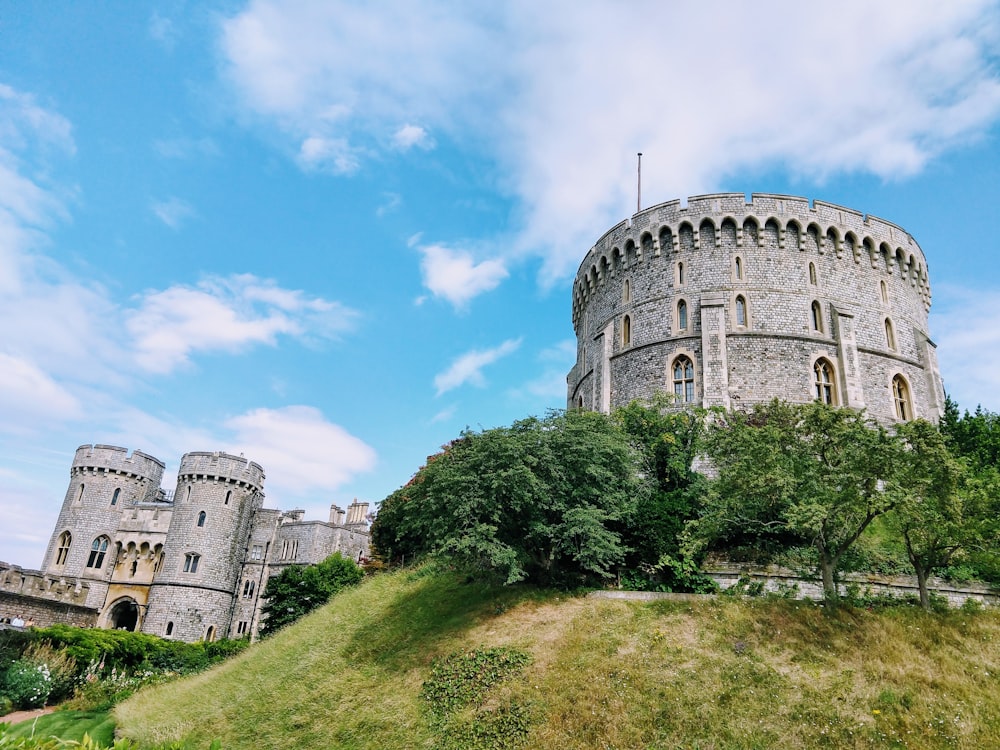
x=27, y=684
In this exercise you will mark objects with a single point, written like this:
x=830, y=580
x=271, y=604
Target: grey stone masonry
x=726, y=302
x=191, y=566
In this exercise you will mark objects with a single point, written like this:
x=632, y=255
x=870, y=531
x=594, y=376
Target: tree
x=668, y=440
x=806, y=473
x=929, y=514
x=544, y=500
x=299, y=589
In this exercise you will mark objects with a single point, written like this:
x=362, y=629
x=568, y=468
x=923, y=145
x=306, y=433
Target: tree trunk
x=925, y=597
x=826, y=567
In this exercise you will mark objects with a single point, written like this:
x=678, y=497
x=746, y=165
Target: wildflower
x=876, y=712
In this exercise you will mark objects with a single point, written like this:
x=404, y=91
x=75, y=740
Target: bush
x=27, y=684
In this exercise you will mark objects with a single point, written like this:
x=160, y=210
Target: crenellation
x=791, y=256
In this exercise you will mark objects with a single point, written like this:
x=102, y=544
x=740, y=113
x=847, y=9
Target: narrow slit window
x=116, y=495
x=682, y=316
x=741, y=312
x=201, y=518
x=739, y=268
x=812, y=274
x=626, y=331
x=890, y=336
x=817, y=317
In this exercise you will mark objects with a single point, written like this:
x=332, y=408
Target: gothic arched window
x=97, y=552
x=901, y=398
x=826, y=389
x=683, y=379
x=65, y=540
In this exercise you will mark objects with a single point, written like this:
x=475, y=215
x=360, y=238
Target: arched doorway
x=124, y=615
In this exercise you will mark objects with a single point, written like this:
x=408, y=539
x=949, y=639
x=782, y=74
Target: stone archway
x=124, y=615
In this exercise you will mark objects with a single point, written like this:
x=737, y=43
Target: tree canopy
x=299, y=589
x=546, y=500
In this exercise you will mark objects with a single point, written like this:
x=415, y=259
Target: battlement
x=101, y=458
x=785, y=210
x=221, y=467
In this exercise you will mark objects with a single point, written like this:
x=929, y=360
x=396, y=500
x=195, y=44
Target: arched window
x=826, y=389
x=812, y=274
x=191, y=562
x=885, y=291
x=116, y=495
x=901, y=398
x=210, y=633
x=738, y=266
x=65, y=539
x=248, y=587
x=626, y=330
x=170, y=629
x=817, y=317
x=682, y=316
x=97, y=552
x=890, y=337
x=579, y=403
x=229, y=494
x=201, y=518
x=627, y=291
x=680, y=273
x=683, y=379
x=741, y=312
x=79, y=498
x=188, y=496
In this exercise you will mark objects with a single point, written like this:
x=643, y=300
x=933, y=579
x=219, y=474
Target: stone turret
x=215, y=501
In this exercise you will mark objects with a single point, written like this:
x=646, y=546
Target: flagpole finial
x=638, y=192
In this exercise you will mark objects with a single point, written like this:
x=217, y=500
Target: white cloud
x=300, y=450
x=562, y=96
x=28, y=394
x=468, y=368
x=328, y=155
x=227, y=314
x=163, y=31
x=454, y=274
x=173, y=212
x=967, y=327
x=409, y=136
x=445, y=414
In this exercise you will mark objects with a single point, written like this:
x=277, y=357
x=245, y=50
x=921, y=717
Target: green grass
x=68, y=725
x=719, y=673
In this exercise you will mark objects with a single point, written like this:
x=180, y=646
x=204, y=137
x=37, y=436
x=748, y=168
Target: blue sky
x=331, y=236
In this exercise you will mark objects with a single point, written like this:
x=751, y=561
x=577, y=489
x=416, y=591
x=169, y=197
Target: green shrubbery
x=95, y=668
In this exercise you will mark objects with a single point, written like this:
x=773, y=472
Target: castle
x=726, y=303
x=191, y=566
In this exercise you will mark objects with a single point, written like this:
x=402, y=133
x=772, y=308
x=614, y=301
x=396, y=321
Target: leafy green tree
x=974, y=436
x=796, y=473
x=668, y=440
x=545, y=500
x=299, y=589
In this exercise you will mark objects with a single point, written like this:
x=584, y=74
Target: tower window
x=116, y=495
x=79, y=498
x=201, y=518
x=741, y=311
x=739, y=268
x=627, y=291
x=191, y=562
x=170, y=629
x=680, y=273
x=817, y=317
x=65, y=539
x=97, y=552
x=901, y=398
x=248, y=587
x=812, y=274
x=885, y=291
x=826, y=391
x=229, y=494
x=683, y=379
x=890, y=336
x=626, y=331
x=682, y=316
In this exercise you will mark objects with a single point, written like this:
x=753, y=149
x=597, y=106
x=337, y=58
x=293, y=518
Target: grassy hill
x=714, y=673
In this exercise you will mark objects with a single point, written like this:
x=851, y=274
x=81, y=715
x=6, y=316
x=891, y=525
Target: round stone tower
x=104, y=480
x=193, y=593
x=726, y=302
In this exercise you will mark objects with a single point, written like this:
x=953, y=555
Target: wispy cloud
x=468, y=368
x=391, y=202
x=300, y=449
x=456, y=276
x=227, y=314
x=869, y=89
x=967, y=326
x=173, y=211
x=163, y=31
x=410, y=136
x=323, y=154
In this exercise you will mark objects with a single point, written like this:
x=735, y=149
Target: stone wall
x=753, y=294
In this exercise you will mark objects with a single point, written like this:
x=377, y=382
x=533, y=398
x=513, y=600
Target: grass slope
x=718, y=673
x=67, y=725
